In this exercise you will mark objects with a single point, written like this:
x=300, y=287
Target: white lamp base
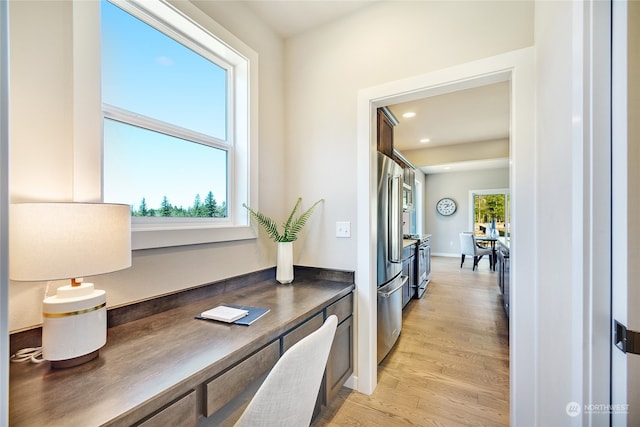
x=75, y=325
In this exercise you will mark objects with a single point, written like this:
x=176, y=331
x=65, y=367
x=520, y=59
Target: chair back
x=288, y=395
x=467, y=244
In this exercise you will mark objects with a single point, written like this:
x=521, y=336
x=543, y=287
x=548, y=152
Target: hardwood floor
x=450, y=366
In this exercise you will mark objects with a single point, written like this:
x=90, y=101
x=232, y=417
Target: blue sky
x=148, y=73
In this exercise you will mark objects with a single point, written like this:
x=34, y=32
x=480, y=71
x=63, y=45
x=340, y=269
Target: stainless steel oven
x=424, y=266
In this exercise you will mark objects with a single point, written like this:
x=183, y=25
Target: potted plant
x=284, y=239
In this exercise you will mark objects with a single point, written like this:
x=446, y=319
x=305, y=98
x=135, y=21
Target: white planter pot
x=284, y=267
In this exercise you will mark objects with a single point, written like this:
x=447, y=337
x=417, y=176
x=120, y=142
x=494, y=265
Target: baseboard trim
x=449, y=255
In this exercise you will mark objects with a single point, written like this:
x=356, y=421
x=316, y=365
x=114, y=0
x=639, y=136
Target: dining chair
x=288, y=395
x=468, y=246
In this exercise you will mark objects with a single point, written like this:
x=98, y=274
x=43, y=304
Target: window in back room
x=491, y=208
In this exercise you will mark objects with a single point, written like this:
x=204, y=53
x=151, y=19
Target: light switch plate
x=343, y=229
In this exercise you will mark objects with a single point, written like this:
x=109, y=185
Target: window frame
x=240, y=62
x=506, y=192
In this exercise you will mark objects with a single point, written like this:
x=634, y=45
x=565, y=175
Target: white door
x=625, y=367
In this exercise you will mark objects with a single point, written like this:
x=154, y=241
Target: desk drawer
x=342, y=308
x=295, y=335
x=224, y=388
x=181, y=413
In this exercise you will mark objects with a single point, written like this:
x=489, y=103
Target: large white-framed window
x=176, y=125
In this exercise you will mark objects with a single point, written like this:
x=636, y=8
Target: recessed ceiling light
x=409, y=115
x=425, y=140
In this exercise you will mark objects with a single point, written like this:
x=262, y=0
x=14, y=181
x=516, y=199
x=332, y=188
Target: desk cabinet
x=229, y=393
x=340, y=362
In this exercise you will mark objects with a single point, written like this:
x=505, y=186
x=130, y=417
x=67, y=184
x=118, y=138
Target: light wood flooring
x=450, y=366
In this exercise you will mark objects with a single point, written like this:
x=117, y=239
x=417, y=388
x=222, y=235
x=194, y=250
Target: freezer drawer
x=389, y=315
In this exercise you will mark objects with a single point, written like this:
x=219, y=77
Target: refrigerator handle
x=395, y=219
x=386, y=294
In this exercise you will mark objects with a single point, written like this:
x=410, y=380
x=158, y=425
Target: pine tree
x=165, y=207
x=199, y=209
x=143, y=211
x=210, y=205
x=195, y=211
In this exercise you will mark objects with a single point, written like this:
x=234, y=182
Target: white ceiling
x=291, y=17
x=477, y=114
x=472, y=115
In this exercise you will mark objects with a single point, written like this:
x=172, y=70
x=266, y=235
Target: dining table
x=494, y=253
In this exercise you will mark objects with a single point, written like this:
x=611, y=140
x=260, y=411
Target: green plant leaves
x=291, y=226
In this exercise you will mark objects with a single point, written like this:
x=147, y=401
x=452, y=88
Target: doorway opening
x=517, y=67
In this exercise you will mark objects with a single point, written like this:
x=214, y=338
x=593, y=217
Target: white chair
x=288, y=394
x=468, y=246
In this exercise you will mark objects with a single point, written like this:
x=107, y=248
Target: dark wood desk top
x=153, y=356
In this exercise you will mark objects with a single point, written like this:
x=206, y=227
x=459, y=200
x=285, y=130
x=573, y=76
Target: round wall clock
x=446, y=206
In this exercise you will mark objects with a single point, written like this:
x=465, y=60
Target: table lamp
x=55, y=241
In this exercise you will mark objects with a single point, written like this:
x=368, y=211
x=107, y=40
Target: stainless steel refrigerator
x=390, y=279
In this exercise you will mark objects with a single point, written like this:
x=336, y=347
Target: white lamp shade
x=53, y=241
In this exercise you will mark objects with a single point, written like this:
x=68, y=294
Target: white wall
x=42, y=100
x=327, y=67
x=330, y=71
x=445, y=230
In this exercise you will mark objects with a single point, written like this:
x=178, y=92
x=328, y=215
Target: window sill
x=163, y=237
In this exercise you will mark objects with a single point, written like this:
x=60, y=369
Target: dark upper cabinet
x=386, y=122
x=385, y=132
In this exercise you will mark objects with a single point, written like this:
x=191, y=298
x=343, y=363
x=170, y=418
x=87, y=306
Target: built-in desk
x=166, y=367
